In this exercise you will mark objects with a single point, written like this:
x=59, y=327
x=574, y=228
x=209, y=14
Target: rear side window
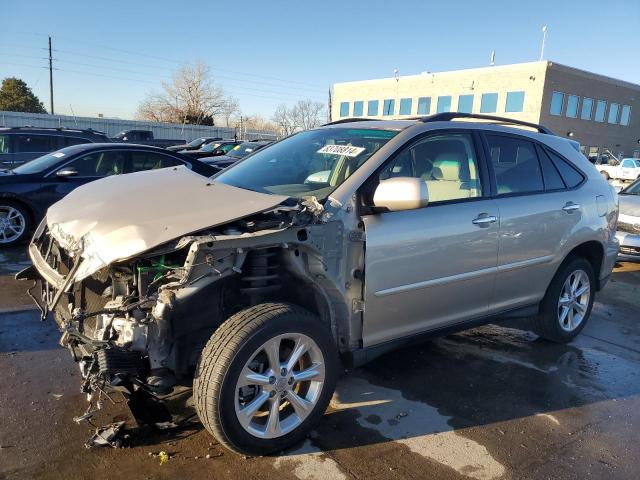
x=150, y=161
x=552, y=179
x=68, y=141
x=571, y=176
x=515, y=164
x=34, y=143
x=4, y=143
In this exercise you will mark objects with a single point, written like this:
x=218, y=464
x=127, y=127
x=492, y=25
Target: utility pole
x=50, y=76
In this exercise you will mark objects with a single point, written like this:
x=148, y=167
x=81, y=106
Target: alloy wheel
x=574, y=300
x=279, y=385
x=12, y=224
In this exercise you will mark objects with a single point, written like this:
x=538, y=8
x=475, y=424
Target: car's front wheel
x=15, y=223
x=566, y=307
x=265, y=378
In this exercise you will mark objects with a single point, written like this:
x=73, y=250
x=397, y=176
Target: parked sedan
x=28, y=190
x=628, y=233
x=213, y=149
x=195, y=144
x=238, y=152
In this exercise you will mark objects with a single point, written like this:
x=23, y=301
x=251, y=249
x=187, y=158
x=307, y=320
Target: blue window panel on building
x=572, y=106
x=444, y=104
x=372, y=108
x=489, y=103
x=344, y=109
x=405, y=106
x=587, y=108
x=557, y=100
x=601, y=108
x=465, y=103
x=358, y=108
x=389, y=107
x=625, y=116
x=424, y=105
x=515, y=102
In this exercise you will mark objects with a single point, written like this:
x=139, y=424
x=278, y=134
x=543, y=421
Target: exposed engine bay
x=138, y=326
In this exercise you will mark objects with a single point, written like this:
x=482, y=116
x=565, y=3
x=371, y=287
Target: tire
x=15, y=223
x=236, y=343
x=549, y=323
x=605, y=175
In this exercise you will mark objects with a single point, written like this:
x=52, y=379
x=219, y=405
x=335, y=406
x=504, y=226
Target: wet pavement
x=490, y=403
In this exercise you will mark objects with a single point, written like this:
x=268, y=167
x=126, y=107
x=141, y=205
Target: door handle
x=571, y=207
x=484, y=220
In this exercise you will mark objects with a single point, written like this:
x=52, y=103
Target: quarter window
x=389, y=107
x=570, y=176
x=557, y=100
x=465, y=103
x=372, y=108
x=424, y=105
x=344, y=109
x=4, y=143
x=515, y=164
x=625, y=115
x=587, y=108
x=515, y=102
x=358, y=108
x=444, y=104
x=489, y=103
x=552, y=179
x=572, y=106
x=601, y=108
x=405, y=106
x=446, y=163
x=613, y=113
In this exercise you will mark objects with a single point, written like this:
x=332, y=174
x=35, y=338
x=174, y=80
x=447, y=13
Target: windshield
x=210, y=147
x=197, y=142
x=311, y=163
x=633, y=189
x=242, y=150
x=42, y=163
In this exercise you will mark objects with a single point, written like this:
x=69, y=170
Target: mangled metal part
x=110, y=435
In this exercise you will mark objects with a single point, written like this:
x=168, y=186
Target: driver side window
x=446, y=163
x=98, y=164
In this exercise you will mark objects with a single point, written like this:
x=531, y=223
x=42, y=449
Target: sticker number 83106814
x=344, y=150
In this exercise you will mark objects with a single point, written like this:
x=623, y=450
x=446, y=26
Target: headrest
x=447, y=166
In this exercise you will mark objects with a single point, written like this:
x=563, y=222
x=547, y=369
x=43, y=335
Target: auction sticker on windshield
x=345, y=150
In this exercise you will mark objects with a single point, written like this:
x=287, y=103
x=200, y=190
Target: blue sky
x=110, y=54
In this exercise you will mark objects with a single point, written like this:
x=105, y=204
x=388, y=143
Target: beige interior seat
x=452, y=178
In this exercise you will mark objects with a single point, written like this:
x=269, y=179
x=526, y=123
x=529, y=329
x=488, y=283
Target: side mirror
x=67, y=172
x=401, y=193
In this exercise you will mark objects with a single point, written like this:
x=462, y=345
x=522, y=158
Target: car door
x=538, y=213
x=81, y=170
x=145, y=160
x=26, y=147
x=435, y=266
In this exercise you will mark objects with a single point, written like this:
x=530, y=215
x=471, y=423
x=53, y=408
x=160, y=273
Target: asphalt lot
x=491, y=403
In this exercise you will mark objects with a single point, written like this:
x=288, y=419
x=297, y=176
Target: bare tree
x=191, y=96
x=230, y=112
x=258, y=122
x=283, y=119
x=308, y=114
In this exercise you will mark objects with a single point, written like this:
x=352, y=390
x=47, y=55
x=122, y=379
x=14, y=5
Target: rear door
x=435, y=266
x=539, y=210
x=26, y=146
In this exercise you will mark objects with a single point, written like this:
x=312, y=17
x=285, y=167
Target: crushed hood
x=121, y=216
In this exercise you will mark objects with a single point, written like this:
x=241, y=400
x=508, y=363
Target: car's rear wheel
x=265, y=378
x=567, y=305
x=15, y=223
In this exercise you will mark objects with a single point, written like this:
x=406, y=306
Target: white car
x=627, y=169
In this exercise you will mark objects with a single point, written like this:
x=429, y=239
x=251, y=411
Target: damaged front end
x=138, y=325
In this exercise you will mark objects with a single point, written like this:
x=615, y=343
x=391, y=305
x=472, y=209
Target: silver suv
x=330, y=247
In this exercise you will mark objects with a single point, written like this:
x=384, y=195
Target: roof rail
x=448, y=116
x=348, y=120
x=84, y=130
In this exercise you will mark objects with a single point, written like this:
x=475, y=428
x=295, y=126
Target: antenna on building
x=493, y=57
x=544, y=38
x=396, y=74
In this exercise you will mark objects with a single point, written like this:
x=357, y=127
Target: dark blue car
x=27, y=191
